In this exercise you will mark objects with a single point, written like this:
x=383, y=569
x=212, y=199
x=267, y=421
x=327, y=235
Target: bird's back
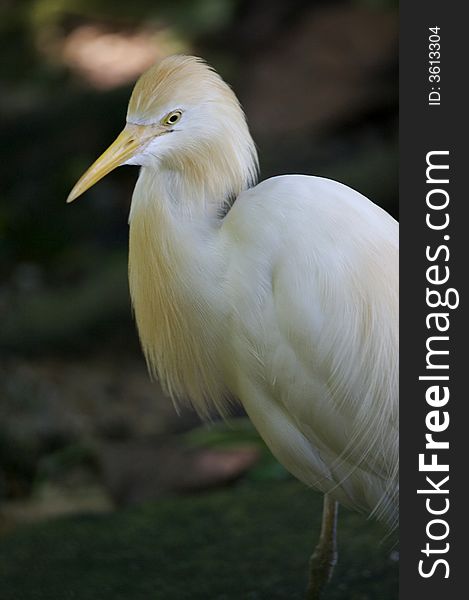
x=313, y=334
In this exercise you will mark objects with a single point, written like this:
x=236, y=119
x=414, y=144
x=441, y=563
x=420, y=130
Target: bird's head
x=182, y=117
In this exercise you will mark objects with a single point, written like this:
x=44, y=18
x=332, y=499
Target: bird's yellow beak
x=131, y=139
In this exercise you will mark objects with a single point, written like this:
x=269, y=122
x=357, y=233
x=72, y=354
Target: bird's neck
x=176, y=267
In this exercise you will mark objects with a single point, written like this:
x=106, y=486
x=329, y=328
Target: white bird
x=287, y=301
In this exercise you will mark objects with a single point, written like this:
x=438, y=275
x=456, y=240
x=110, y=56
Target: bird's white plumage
x=288, y=303
x=314, y=333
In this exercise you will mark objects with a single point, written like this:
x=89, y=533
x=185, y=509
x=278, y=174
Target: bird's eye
x=173, y=117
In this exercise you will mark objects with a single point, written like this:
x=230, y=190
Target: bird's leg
x=324, y=557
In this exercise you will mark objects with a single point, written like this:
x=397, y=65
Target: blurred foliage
x=234, y=433
x=378, y=4
x=250, y=541
x=191, y=17
x=51, y=318
x=55, y=464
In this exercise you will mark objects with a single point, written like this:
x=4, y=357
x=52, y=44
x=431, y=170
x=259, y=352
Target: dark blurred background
x=82, y=429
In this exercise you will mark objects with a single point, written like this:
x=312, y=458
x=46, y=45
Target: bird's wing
x=325, y=333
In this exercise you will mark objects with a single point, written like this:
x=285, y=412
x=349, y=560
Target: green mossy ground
x=250, y=541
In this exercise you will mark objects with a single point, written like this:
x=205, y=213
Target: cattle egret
x=282, y=295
